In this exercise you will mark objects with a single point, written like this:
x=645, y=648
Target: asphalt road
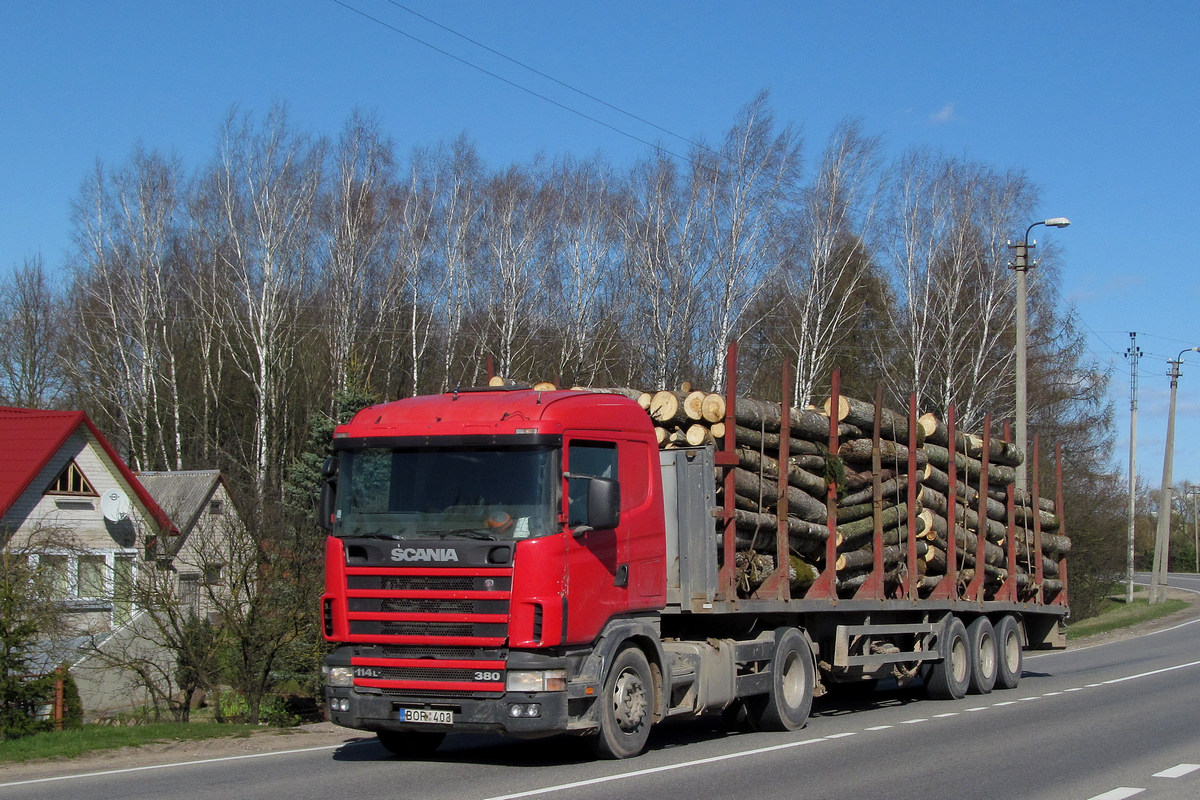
x=1106, y=722
x=1178, y=580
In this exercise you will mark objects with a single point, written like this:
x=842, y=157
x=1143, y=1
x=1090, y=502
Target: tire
x=981, y=639
x=626, y=709
x=793, y=676
x=948, y=679
x=1009, y=653
x=410, y=744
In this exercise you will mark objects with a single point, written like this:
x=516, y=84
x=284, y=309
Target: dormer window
x=72, y=481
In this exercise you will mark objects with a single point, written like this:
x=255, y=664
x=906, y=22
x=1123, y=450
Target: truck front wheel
x=626, y=706
x=793, y=676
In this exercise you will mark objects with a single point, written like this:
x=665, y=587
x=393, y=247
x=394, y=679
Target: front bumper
x=379, y=712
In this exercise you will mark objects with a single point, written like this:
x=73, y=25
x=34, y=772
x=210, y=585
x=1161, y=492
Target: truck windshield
x=493, y=493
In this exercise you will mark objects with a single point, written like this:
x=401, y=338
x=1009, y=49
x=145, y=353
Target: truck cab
x=480, y=544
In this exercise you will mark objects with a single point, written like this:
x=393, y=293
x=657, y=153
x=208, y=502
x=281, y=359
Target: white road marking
x=1032, y=656
x=1120, y=793
x=880, y=728
x=1148, y=674
x=915, y=721
x=1177, y=771
x=654, y=770
x=175, y=764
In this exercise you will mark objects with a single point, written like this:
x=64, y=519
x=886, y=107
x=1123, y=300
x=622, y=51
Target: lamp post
x=1162, y=537
x=1021, y=264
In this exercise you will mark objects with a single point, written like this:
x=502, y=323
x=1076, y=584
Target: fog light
x=533, y=710
x=514, y=711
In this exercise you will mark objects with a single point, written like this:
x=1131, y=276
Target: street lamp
x=1022, y=264
x=1162, y=535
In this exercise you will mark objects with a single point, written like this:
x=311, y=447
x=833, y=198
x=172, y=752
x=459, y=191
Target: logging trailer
x=530, y=563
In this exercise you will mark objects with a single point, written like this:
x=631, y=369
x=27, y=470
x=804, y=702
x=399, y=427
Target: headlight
x=550, y=680
x=339, y=676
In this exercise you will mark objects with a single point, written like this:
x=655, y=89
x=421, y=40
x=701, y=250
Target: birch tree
x=663, y=236
x=514, y=222
x=126, y=223
x=266, y=179
x=749, y=183
x=585, y=285
x=361, y=228
x=827, y=251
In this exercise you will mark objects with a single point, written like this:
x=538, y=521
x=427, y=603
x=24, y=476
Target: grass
x=1115, y=614
x=90, y=738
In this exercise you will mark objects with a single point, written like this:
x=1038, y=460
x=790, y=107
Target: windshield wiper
x=470, y=533
x=372, y=535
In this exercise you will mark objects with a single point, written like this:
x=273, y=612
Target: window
x=56, y=570
x=595, y=459
x=189, y=589
x=91, y=573
x=123, y=577
x=216, y=507
x=214, y=574
x=72, y=481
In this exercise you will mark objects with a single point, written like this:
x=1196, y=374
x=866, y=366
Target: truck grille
x=437, y=630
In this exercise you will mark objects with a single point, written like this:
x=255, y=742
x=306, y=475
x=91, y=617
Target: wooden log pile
x=944, y=514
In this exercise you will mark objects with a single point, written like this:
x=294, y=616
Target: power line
x=548, y=77
x=511, y=83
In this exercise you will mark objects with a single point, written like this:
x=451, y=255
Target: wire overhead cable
x=517, y=85
x=541, y=74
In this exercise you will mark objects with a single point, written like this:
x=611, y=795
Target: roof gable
x=182, y=494
x=29, y=438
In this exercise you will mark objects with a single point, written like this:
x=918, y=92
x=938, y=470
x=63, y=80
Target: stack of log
x=860, y=474
x=972, y=494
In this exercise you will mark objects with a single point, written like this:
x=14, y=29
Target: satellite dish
x=114, y=505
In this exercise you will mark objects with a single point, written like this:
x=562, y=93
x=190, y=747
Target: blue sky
x=1099, y=102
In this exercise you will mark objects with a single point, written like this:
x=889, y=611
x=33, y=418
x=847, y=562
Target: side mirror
x=327, y=506
x=603, y=504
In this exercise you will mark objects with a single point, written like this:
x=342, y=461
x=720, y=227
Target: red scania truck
x=530, y=563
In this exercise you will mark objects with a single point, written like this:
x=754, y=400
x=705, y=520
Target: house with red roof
x=72, y=506
x=66, y=494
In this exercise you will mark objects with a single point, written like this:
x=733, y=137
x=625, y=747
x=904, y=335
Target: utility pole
x=1162, y=538
x=1133, y=353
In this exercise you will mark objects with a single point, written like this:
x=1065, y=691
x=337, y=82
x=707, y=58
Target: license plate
x=426, y=716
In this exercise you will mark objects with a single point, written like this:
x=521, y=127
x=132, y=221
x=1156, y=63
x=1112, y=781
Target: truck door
x=597, y=560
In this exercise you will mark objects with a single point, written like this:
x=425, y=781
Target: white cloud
x=943, y=116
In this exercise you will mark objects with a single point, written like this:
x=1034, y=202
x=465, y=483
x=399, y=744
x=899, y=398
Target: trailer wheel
x=948, y=679
x=981, y=639
x=410, y=744
x=1009, y=652
x=793, y=676
x=626, y=708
